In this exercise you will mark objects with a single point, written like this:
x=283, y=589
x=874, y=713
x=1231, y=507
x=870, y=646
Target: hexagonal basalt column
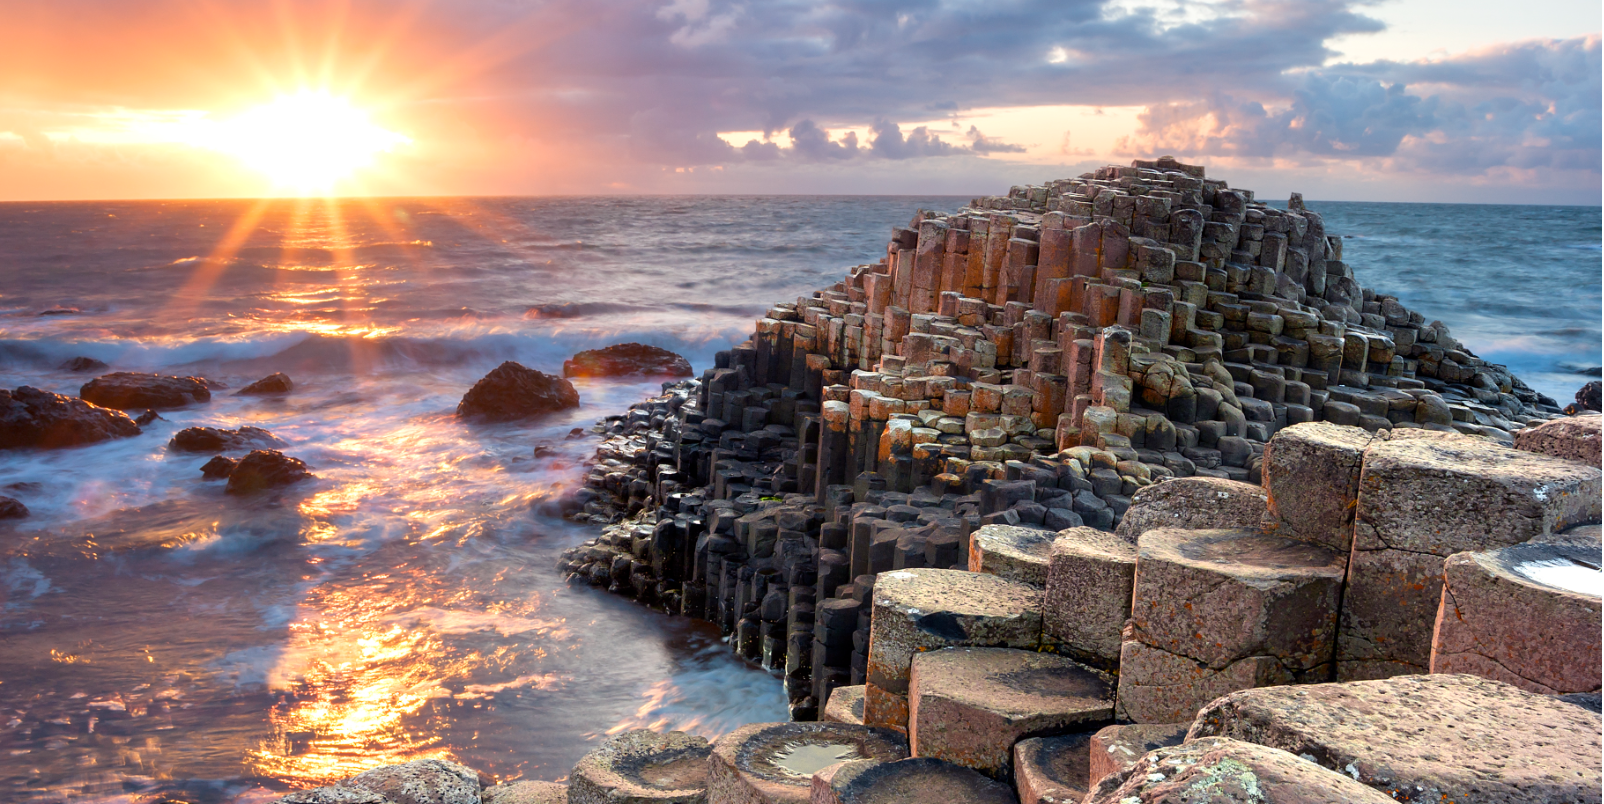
x=1225, y=607
x=906, y=781
x=642, y=767
x=774, y=763
x=1423, y=498
x=920, y=610
x=970, y=705
x=1052, y=770
x=1113, y=749
x=1090, y=577
x=1011, y=552
x=1311, y=473
x=845, y=706
x=1526, y=615
x=1193, y=503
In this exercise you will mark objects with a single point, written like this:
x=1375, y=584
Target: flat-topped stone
x=1423, y=498
x=1426, y=738
x=525, y=793
x=1311, y=474
x=1011, y=552
x=1526, y=615
x=919, y=610
x=910, y=781
x=1052, y=770
x=642, y=767
x=1193, y=503
x=1574, y=438
x=1113, y=749
x=771, y=763
x=970, y=705
x=1224, y=771
x=423, y=781
x=845, y=705
x=1090, y=577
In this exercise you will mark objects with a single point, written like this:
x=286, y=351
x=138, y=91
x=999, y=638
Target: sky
x=1382, y=100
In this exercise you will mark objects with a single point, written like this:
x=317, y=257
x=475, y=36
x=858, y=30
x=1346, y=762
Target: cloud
x=982, y=144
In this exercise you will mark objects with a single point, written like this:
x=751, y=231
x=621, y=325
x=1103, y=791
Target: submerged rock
x=627, y=360
x=212, y=439
x=30, y=417
x=511, y=391
x=266, y=469
x=278, y=383
x=84, y=364
x=127, y=390
x=219, y=467
x=12, y=509
x=147, y=417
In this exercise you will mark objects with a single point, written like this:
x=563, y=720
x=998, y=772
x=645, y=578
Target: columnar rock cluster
x=1036, y=360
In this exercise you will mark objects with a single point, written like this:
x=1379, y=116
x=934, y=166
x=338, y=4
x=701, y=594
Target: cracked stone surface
x=1576, y=438
x=1426, y=738
x=1012, y=552
x=1160, y=687
x=1311, y=474
x=1090, y=578
x=1224, y=771
x=1193, y=503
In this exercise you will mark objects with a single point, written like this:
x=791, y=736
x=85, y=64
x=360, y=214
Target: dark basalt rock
x=272, y=384
x=30, y=417
x=12, y=509
x=126, y=390
x=84, y=364
x=511, y=391
x=219, y=467
x=147, y=417
x=627, y=360
x=265, y=469
x=212, y=439
x=1588, y=397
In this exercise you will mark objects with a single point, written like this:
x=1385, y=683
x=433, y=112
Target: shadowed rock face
x=84, y=364
x=126, y=390
x=12, y=509
x=265, y=469
x=30, y=417
x=511, y=391
x=272, y=384
x=212, y=439
x=625, y=360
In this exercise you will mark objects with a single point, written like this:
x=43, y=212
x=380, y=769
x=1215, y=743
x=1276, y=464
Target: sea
x=160, y=640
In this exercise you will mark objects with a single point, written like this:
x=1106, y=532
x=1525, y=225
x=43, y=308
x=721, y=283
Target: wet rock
x=909, y=781
x=147, y=417
x=1193, y=503
x=1052, y=770
x=1459, y=738
x=1311, y=474
x=1114, y=749
x=212, y=439
x=1526, y=615
x=11, y=508
x=84, y=364
x=525, y=793
x=845, y=705
x=917, y=610
x=30, y=417
x=1224, y=771
x=265, y=469
x=1423, y=498
x=219, y=467
x=278, y=383
x=127, y=390
x=627, y=360
x=425, y=781
x=970, y=705
x=1011, y=552
x=511, y=391
x=1090, y=578
x=1576, y=438
x=774, y=763
x=642, y=766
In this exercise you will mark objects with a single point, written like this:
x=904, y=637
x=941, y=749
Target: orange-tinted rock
x=30, y=417
x=1052, y=770
x=1311, y=473
x=265, y=469
x=1090, y=577
x=511, y=391
x=1574, y=438
x=271, y=384
x=126, y=390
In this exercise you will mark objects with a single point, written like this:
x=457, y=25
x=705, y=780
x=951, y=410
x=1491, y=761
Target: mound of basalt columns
x=774, y=763
x=30, y=417
x=126, y=390
x=627, y=360
x=1134, y=349
x=510, y=391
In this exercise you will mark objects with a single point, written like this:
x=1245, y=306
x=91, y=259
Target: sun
x=305, y=142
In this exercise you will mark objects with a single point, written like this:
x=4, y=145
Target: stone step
x=1090, y=578
x=845, y=705
x=774, y=763
x=1194, y=503
x=1574, y=438
x=1311, y=474
x=1526, y=615
x=525, y=793
x=1052, y=770
x=1225, y=771
x=970, y=705
x=904, y=782
x=640, y=767
x=1225, y=607
x=1468, y=738
x=1011, y=552
x=1114, y=749
x=920, y=610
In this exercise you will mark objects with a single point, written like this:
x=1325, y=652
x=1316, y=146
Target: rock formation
x=627, y=360
x=511, y=392
x=126, y=390
x=30, y=417
x=212, y=439
x=264, y=469
x=278, y=383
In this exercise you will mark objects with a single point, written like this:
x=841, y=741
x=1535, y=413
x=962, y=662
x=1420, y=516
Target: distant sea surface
x=158, y=637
